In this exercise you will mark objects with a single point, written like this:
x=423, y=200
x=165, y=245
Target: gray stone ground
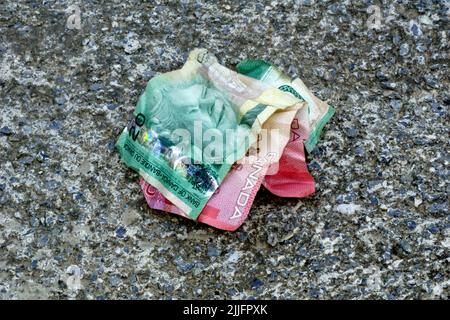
x=74, y=224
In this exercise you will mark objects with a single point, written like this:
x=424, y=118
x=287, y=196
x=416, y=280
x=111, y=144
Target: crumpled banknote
x=272, y=155
x=191, y=125
x=229, y=206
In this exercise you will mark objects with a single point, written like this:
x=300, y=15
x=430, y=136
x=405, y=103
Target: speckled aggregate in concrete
x=74, y=224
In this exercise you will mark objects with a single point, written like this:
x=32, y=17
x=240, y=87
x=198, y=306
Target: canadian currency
x=290, y=178
x=165, y=143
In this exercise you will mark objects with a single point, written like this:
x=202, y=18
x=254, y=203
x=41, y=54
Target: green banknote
x=318, y=111
x=190, y=125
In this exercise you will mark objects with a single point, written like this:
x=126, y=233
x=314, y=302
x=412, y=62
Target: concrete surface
x=74, y=224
